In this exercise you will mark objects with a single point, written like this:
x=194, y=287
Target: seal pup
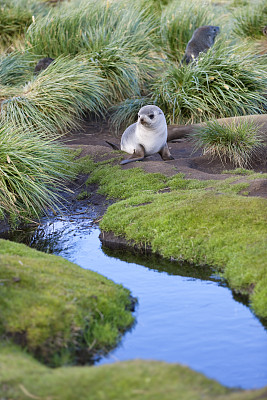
x=203, y=38
x=147, y=136
x=43, y=64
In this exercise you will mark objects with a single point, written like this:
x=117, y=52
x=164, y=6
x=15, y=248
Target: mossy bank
x=57, y=311
x=22, y=378
x=210, y=222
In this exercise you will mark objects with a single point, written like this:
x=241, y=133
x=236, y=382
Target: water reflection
x=186, y=314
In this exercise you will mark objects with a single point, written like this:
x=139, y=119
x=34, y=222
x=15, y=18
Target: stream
x=185, y=314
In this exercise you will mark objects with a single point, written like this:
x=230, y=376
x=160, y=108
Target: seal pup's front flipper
x=138, y=155
x=165, y=153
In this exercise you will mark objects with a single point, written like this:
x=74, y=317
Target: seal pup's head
x=206, y=35
x=150, y=117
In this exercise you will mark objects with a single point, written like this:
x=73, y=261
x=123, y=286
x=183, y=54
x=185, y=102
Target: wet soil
x=91, y=138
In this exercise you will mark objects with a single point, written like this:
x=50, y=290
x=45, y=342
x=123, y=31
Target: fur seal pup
x=43, y=64
x=147, y=136
x=203, y=38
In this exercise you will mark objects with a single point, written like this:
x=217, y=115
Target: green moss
x=60, y=312
x=226, y=231
x=203, y=222
x=119, y=183
x=24, y=378
x=83, y=195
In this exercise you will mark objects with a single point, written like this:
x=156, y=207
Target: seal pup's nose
x=142, y=120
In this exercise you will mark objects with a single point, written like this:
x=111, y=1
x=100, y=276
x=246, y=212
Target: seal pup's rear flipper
x=113, y=145
x=165, y=153
x=138, y=155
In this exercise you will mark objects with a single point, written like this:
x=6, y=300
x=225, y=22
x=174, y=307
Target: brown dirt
x=93, y=135
x=91, y=138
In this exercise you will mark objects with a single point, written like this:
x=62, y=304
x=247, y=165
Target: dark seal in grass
x=43, y=64
x=203, y=38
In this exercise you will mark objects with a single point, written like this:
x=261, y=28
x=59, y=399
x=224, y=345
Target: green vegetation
x=24, y=378
x=223, y=83
x=178, y=24
x=250, y=20
x=117, y=41
x=32, y=171
x=59, y=312
x=239, y=143
x=202, y=222
x=15, y=17
x=56, y=98
x=115, y=56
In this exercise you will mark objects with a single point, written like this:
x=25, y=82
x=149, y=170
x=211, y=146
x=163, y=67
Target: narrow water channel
x=184, y=314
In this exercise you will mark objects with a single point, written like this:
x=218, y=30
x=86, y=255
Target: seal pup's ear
x=138, y=155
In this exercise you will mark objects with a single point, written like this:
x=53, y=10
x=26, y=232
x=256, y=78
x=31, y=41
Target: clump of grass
x=55, y=100
x=239, y=143
x=32, y=172
x=227, y=81
x=13, y=21
x=250, y=21
x=16, y=68
x=178, y=22
x=117, y=40
x=15, y=18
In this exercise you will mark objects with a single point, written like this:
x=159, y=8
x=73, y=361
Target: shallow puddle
x=185, y=314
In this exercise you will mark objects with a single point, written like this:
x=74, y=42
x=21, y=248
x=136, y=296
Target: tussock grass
x=116, y=38
x=179, y=21
x=239, y=143
x=16, y=68
x=224, y=82
x=15, y=18
x=54, y=101
x=250, y=20
x=32, y=172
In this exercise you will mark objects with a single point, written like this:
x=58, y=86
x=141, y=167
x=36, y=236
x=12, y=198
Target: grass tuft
x=16, y=68
x=178, y=23
x=116, y=39
x=225, y=82
x=54, y=101
x=32, y=172
x=250, y=21
x=239, y=143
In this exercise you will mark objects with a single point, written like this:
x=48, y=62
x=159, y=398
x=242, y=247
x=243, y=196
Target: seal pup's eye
x=151, y=116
